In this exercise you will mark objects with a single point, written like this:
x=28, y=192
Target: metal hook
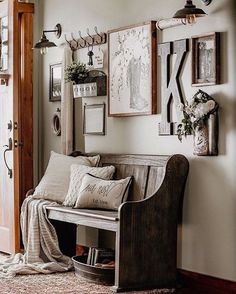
x=76, y=41
x=67, y=41
x=96, y=31
x=85, y=42
x=90, y=37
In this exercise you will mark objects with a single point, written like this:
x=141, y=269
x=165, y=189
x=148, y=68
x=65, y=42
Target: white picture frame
x=94, y=119
x=133, y=70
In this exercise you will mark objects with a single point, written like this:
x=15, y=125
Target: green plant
x=76, y=72
x=195, y=113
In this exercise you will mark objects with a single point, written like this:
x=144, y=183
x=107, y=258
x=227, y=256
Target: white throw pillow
x=76, y=177
x=55, y=182
x=103, y=194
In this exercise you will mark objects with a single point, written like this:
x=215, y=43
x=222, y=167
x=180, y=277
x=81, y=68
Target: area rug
x=60, y=283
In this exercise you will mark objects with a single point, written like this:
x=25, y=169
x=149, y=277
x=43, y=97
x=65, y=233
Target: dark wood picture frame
x=206, y=62
x=98, y=120
x=55, y=82
x=152, y=100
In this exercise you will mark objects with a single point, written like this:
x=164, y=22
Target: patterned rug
x=60, y=283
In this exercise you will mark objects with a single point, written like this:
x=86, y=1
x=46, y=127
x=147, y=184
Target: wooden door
x=16, y=122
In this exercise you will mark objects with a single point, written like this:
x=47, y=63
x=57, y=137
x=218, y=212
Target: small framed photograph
x=94, y=119
x=133, y=70
x=55, y=82
x=4, y=44
x=206, y=59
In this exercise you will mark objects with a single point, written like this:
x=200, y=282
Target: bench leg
x=141, y=264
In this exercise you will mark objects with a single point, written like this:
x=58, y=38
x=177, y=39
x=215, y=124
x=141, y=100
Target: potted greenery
x=200, y=119
x=76, y=73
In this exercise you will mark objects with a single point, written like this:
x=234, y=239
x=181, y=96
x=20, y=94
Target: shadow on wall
x=224, y=65
x=227, y=119
x=207, y=184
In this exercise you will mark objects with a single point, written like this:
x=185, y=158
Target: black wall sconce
x=44, y=43
x=190, y=12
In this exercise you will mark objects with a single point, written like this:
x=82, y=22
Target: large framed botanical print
x=133, y=70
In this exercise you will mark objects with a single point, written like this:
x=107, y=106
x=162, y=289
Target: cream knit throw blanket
x=42, y=252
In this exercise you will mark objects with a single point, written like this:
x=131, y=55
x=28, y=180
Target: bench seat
x=145, y=226
x=101, y=219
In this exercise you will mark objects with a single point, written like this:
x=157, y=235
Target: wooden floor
x=199, y=290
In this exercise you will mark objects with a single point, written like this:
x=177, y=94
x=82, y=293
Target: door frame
x=21, y=15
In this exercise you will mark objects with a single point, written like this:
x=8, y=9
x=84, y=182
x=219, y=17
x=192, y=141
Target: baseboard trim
x=211, y=284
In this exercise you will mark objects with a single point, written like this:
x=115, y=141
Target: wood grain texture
x=84, y=219
x=155, y=177
x=146, y=229
x=22, y=58
x=170, y=85
x=146, y=242
x=25, y=122
x=99, y=214
x=199, y=283
x=16, y=103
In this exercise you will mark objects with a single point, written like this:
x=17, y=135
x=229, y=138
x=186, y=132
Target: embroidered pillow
x=55, y=182
x=103, y=194
x=76, y=177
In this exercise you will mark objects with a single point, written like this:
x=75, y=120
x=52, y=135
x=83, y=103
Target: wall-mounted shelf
x=94, y=85
x=4, y=78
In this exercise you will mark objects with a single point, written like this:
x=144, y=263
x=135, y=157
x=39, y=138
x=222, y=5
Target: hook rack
x=86, y=41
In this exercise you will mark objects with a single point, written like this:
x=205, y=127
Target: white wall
x=207, y=237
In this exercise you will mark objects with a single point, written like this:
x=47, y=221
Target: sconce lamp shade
x=189, y=12
x=43, y=44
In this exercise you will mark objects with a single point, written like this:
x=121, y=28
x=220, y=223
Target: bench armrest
x=147, y=231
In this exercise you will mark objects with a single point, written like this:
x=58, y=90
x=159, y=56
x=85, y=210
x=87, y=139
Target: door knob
x=9, y=146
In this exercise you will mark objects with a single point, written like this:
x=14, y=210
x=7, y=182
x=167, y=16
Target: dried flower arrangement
x=195, y=113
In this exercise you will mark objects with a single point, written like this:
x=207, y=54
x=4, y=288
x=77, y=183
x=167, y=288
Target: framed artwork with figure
x=133, y=70
x=206, y=59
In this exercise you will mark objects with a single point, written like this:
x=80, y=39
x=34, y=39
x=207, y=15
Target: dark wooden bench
x=146, y=225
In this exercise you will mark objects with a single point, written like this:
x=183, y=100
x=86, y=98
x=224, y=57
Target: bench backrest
x=147, y=170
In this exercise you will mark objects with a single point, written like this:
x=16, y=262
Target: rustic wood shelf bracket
x=4, y=79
